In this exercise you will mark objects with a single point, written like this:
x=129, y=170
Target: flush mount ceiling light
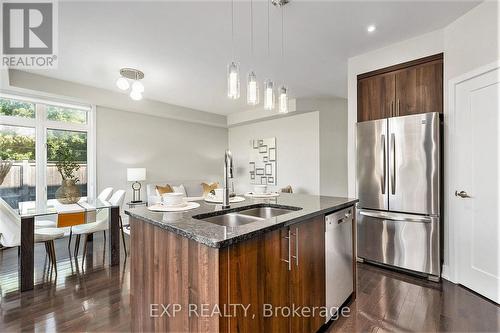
x=128, y=75
x=371, y=28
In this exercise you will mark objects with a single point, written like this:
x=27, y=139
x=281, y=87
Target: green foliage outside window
x=12, y=107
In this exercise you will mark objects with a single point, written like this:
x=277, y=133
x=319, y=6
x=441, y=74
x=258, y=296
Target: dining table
x=29, y=211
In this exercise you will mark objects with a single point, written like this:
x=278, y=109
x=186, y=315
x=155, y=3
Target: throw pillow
x=207, y=188
x=179, y=189
x=164, y=189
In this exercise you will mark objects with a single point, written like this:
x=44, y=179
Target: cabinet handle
x=392, y=108
x=398, y=108
x=296, y=256
x=289, y=261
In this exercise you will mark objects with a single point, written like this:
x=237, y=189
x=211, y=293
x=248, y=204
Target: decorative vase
x=68, y=193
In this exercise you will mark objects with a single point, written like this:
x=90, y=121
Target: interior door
x=414, y=166
x=307, y=283
x=475, y=205
x=419, y=89
x=376, y=97
x=372, y=159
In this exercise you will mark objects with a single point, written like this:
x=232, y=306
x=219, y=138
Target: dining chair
x=10, y=230
x=101, y=224
x=105, y=194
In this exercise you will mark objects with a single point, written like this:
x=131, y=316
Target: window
x=17, y=146
x=56, y=113
x=73, y=144
x=16, y=108
x=34, y=134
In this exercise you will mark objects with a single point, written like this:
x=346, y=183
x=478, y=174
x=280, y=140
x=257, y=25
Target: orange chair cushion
x=70, y=219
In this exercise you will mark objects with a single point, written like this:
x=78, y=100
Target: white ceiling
x=184, y=47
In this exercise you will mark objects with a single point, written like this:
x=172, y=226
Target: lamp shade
x=136, y=174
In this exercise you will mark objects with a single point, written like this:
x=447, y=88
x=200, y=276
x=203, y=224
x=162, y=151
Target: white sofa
x=193, y=189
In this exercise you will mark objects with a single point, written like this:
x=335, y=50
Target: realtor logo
x=29, y=31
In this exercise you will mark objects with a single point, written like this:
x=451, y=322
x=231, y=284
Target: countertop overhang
x=213, y=235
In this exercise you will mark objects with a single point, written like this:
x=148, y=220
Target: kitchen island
x=258, y=266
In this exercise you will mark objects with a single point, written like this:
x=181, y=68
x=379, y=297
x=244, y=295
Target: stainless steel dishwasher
x=339, y=258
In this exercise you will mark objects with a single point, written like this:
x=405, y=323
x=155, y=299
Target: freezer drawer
x=401, y=240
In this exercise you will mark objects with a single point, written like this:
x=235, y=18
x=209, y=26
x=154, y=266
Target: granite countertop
x=213, y=235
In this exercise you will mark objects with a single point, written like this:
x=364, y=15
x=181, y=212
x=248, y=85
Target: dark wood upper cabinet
x=419, y=89
x=376, y=97
x=409, y=88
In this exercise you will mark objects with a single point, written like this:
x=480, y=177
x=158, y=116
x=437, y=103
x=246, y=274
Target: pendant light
x=283, y=94
x=233, y=69
x=252, y=83
x=268, y=84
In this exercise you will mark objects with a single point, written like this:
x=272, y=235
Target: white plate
x=231, y=200
x=163, y=208
x=262, y=195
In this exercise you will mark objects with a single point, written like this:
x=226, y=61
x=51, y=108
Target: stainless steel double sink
x=246, y=214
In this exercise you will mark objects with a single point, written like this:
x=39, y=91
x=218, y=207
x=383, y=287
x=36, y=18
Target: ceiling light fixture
x=252, y=83
x=233, y=70
x=134, y=75
x=268, y=84
x=371, y=28
x=283, y=95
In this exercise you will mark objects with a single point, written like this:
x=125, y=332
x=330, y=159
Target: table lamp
x=136, y=175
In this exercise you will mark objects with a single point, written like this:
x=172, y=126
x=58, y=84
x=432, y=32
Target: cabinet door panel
x=419, y=89
x=376, y=97
x=253, y=274
x=307, y=287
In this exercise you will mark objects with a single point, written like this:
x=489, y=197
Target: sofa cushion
x=164, y=189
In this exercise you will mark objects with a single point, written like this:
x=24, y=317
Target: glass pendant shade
x=122, y=83
x=268, y=95
x=252, y=89
x=138, y=86
x=283, y=100
x=233, y=81
x=135, y=95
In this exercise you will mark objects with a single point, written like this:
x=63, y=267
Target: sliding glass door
x=34, y=136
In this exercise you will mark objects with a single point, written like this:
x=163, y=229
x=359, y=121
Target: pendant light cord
x=251, y=28
x=283, y=42
x=268, y=39
x=232, y=28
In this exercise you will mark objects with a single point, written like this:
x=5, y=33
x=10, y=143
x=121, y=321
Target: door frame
x=451, y=267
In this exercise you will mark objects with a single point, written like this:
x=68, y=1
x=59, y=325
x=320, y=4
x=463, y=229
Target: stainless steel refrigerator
x=398, y=183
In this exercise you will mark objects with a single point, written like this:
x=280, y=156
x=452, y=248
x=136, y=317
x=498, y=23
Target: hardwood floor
x=96, y=298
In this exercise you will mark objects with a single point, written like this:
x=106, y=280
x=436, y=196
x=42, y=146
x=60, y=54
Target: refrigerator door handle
x=396, y=216
x=393, y=166
x=384, y=157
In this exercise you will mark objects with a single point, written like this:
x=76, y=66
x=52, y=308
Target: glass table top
x=52, y=206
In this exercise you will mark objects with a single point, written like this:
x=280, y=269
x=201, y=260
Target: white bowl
x=173, y=199
x=260, y=189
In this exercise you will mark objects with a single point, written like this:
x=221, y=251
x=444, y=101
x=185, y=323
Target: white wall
x=297, y=150
x=469, y=42
x=332, y=142
x=169, y=149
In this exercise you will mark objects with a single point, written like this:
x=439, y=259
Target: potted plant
x=69, y=192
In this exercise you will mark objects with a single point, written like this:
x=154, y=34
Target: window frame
x=41, y=124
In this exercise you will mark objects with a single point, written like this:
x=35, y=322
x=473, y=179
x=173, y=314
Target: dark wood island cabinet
x=251, y=284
